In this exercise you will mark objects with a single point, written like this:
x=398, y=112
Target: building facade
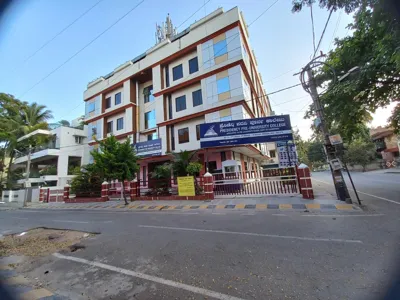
x=387, y=143
x=52, y=164
x=206, y=73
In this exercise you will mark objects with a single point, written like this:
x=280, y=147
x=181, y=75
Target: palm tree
x=35, y=117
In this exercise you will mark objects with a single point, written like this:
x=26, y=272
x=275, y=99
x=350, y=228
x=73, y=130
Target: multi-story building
x=52, y=164
x=387, y=143
x=206, y=73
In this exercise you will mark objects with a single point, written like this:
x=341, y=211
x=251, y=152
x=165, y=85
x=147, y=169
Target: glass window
x=177, y=72
x=197, y=98
x=227, y=118
x=220, y=48
x=183, y=135
x=110, y=127
x=148, y=94
x=223, y=85
x=272, y=153
x=198, y=132
x=150, y=119
x=108, y=102
x=193, y=65
x=180, y=103
x=91, y=107
x=118, y=98
x=152, y=136
x=120, y=123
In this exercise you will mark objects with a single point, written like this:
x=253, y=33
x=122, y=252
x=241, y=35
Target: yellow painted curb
x=261, y=206
x=35, y=294
x=240, y=206
x=285, y=206
x=344, y=206
x=313, y=206
x=220, y=207
x=203, y=206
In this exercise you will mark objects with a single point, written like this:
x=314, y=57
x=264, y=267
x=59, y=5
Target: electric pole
x=330, y=151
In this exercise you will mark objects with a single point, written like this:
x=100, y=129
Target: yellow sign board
x=186, y=186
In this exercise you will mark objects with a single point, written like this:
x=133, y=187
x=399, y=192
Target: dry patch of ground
x=41, y=241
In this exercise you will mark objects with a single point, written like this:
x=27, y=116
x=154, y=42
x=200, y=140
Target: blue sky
x=281, y=40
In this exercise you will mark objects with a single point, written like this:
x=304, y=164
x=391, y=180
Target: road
x=234, y=255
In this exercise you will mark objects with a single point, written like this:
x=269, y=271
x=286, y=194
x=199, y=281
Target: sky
x=282, y=42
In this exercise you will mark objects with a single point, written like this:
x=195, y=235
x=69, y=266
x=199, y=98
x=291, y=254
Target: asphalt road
x=234, y=255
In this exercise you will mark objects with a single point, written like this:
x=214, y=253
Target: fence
x=14, y=198
x=264, y=182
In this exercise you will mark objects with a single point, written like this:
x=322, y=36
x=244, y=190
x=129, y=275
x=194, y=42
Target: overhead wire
x=323, y=32
x=334, y=32
x=81, y=49
x=59, y=33
x=312, y=26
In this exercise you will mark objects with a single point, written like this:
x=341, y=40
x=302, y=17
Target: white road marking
x=216, y=213
x=20, y=218
x=160, y=280
x=248, y=214
x=66, y=221
x=385, y=199
x=334, y=216
x=255, y=234
x=283, y=215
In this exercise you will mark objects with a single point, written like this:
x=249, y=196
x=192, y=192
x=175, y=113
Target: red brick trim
x=110, y=113
x=120, y=136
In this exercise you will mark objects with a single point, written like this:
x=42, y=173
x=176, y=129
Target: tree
x=87, y=181
x=394, y=119
x=115, y=160
x=360, y=153
x=301, y=147
x=316, y=154
x=64, y=123
x=374, y=49
x=181, y=161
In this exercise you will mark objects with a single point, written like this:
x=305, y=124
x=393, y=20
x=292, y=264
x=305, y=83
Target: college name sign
x=246, y=131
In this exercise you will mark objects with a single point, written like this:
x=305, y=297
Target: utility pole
x=330, y=151
x=28, y=170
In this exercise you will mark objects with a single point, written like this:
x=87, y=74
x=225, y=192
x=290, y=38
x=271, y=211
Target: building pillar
x=104, y=191
x=66, y=192
x=209, y=186
x=133, y=189
x=304, y=175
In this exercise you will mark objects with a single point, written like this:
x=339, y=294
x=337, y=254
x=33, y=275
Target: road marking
x=385, y=199
x=334, y=216
x=160, y=280
x=255, y=234
x=217, y=213
x=20, y=218
x=66, y=221
x=283, y=215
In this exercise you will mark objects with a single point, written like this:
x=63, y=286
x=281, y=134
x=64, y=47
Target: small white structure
x=52, y=164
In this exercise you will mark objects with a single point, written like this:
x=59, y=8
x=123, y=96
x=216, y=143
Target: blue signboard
x=148, y=148
x=246, y=131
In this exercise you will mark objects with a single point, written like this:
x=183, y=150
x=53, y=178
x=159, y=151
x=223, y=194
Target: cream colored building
x=206, y=73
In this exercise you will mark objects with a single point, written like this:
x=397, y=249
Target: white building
x=52, y=164
x=206, y=73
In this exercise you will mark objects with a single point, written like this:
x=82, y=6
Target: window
x=120, y=123
x=223, y=156
x=198, y=132
x=193, y=65
x=223, y=85
x=79, y=139
x=110, y=127
x=197, y=98
x=91, y=107
x=118, y=98
x=227, y=118
x=148, y=94
x=180, y=103
x=272, y=153
x=150, y=119
x=108, y=102
x=183, y=135
x=152, y=136
x=177, y=72
x=212, y=166
x=220, y=48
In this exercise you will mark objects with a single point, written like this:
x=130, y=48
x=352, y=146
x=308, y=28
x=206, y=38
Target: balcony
x=39, y=152
x=380, y=145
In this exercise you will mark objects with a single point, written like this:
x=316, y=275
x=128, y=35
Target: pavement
x=224, y=254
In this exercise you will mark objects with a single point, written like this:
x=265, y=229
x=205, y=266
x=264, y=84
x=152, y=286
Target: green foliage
x=360, y=153
x=194, y=168
x=374, y=49
x=162, y=172
x=115, y=160
x=49, y=170
x=64, y=123
x=181, y=162
x=87, y=181
x=394, y=120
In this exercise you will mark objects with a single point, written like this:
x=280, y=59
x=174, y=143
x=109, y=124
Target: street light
x=352, y=70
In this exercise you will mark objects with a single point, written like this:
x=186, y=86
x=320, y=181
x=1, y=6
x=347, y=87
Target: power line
x=323, y=33
x=80, y=50
x=284, y=89
x=60, y=32
x=281, y=75
x=267, y=9
x=312, y=26
x=193, y=14
x=336, y=28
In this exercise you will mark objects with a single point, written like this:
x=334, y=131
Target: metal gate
x=263, y=182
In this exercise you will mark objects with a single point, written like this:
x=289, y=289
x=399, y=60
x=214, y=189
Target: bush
x=87, y=182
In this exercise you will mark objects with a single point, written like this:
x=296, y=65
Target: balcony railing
x=51, y=145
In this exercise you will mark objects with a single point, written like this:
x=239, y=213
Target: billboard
x=246, y=131
x=287, y=154
x=148, y=148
